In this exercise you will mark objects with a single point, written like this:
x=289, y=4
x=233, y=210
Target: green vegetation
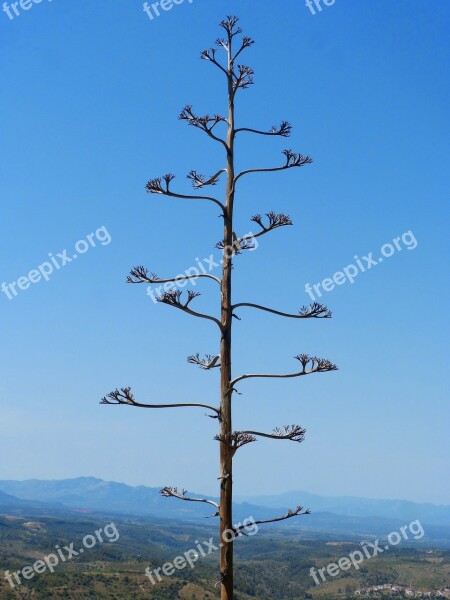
x=272, y=564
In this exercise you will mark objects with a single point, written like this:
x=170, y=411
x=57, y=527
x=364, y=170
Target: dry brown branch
x=200, y=181
x=299, y=511
x=292, y=160
x=205, y=123
x=124, y=396
x=235, y=440
x=140, y=274
x=173, y=492
x=294, y=433
x=207, y=363
x=283, y=130
x=313, y=311
x=317, y=365
x=173, y=298
x=156, y=186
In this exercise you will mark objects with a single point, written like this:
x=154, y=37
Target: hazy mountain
x=87, y=493
x=357, y=507
x=340, y=513
x=92, y=494
x=11, y=503
x=7, y=500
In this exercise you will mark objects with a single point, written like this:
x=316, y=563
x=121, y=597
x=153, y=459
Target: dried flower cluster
x=275, y=220
x=315, y=311
x=236, y=440
x=122, y=396
x=209, y=362
x=316, y=365
x=173, y=298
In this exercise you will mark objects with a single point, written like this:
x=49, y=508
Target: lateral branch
x=283, y=130
x=293, y=159
x=246, y=242
x=205, y=123
x=200, y=181
x=161, y=185
x=299, y=511
x=313, y=311
x=316, y=365
x=124, y=396
x=173, y=492
x=208, y=362
x=294, y=433
x=140, y=274
x=235, y=440
x=173, y=298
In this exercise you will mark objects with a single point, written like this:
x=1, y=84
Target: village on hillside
x=401, y=591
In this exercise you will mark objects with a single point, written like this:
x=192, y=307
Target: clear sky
x=90, y=95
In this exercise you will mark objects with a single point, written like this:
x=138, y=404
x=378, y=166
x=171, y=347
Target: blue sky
x=90, y=96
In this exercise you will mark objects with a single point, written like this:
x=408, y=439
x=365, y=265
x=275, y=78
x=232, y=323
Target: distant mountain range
x=357, y=507
x=96, y=495
x=345, y=514
x=9, y=501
